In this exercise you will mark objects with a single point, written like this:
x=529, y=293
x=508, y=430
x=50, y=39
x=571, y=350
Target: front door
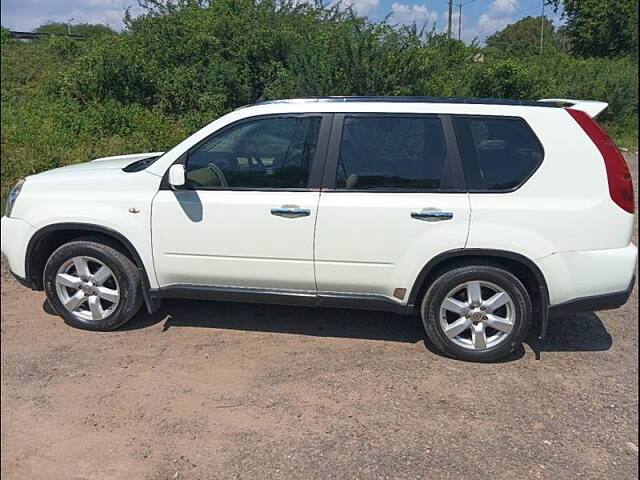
x=247, y=214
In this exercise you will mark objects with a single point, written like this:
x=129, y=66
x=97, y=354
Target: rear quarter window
x=499, y=153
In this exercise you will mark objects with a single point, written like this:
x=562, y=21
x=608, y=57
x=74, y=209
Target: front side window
x=498, y=153
x=263, y=153
x=391, y=153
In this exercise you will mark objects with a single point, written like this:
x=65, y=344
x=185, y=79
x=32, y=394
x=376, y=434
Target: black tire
x=445, y=283
x=123, y=269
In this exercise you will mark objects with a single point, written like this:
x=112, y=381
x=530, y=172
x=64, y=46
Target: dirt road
x=220, y=390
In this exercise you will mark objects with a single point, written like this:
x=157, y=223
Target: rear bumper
x=588, y=274
x=592, y=303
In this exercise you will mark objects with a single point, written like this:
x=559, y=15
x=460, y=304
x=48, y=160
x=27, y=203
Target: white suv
x=480, y=215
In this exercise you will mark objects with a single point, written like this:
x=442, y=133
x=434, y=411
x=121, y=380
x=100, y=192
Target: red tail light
x=620, y=183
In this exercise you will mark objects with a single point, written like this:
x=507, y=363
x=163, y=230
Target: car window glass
x=263, y=153
x=498, y=153
x=391, y=153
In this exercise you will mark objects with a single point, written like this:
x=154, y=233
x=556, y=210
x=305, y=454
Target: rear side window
x=391, y=153
x=499, y=153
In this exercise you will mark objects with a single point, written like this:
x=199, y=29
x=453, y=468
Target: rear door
x=246, y=216
x=393, y=197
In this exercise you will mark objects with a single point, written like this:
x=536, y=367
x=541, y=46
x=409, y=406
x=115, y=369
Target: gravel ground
x=221, y=390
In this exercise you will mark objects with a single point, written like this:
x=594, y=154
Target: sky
x=480, y=18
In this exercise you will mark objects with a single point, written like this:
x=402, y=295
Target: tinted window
x=391, y=152
x=264, y=153
x=498, y=153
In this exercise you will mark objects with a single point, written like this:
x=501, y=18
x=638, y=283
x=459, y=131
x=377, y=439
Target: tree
x=522, y=38
x=601, y=28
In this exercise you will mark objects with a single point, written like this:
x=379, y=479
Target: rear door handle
x=432, y=215
x=292, y=212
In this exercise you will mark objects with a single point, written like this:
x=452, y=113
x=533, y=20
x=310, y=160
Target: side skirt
x=281, y=297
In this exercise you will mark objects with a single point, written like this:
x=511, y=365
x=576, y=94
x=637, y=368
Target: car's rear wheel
x=92, y=285
x=477, y=313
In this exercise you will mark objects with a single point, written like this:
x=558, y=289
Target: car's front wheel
x=92, y=285
x=477, y=313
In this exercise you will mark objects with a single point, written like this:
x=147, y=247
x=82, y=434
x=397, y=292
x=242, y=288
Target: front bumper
x=15, y=235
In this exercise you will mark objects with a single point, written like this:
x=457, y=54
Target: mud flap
x=152, y=304
x=544, y=322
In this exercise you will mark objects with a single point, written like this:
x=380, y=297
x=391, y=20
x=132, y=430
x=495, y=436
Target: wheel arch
x=47, y=239
x=519, y=265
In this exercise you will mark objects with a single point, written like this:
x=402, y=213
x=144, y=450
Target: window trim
x=317, y=164
x=466, y=166
x=452, y=161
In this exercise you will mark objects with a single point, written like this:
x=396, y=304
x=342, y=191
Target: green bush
x=5, y=37
x=613, y=80
x=623, y=130
x=168, y=74
x=505, y=79
x=63, y=47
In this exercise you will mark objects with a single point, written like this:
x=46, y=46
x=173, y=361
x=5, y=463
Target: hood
x=104, y=163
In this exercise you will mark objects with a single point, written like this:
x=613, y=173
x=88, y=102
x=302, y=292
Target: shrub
x=168, y=74
x=5, y=37
x=505, y=79
x=63, y=47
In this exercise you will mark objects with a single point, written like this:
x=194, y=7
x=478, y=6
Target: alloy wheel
x=477, y=315
x=87, y=288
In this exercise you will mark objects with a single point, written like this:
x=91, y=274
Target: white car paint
x=85, y=193
x=562, y=207
x=14, y=242
x=230, y=238
x=576, y=274
x=130, y=158
x=367, y=243
x=562, y=218
x=591, y=107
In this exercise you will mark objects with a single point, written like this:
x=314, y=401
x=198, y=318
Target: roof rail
x=417, y=99
x=591, y=107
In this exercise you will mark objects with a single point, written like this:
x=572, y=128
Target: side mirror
x=177, y=176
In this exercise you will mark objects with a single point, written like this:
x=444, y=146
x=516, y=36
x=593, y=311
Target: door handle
x=290, y=212
x=432, y=215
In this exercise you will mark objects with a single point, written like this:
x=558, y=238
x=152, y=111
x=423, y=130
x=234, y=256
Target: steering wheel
x=218, y=173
